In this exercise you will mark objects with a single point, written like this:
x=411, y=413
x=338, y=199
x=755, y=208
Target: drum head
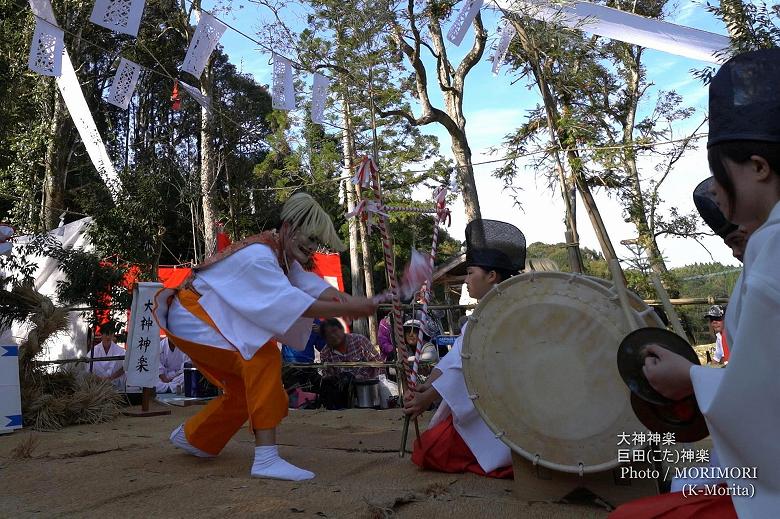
x=539, y=362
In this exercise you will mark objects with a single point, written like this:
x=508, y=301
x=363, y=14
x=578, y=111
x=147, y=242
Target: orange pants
x=252, y=389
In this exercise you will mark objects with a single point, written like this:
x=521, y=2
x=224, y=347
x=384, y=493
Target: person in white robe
x=741, y=401
x=172, y=361
x=230, y=314
x=111, y=370
x=488, y=263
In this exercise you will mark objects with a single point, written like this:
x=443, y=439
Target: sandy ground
x=127, y=468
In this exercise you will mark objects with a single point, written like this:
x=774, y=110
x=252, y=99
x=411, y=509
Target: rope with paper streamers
x=368, y=174
x=442, y=214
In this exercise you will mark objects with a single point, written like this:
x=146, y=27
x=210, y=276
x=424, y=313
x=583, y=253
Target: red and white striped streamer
x=442, y=213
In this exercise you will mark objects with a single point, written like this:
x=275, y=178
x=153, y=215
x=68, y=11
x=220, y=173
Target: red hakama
x=442, y=449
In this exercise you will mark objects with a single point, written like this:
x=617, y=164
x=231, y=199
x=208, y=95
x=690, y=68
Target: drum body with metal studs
x=539, y=363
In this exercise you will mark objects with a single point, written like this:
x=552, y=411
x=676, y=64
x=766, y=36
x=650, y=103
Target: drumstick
x=622, y=293
x=668, y=308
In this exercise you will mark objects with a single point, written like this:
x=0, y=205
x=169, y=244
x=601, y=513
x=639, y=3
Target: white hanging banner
x=70, y=89
x=48, y=42
x=461, y=24
x=626, y=27
x=507, y=34
x=282, y=91
x=123, y=16
x=319, y=94
x=195, y=93
x=203, y=43
x=142, y=360
x=43, y=9
x=125, y=79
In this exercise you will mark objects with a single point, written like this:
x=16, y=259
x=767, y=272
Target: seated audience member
x=385, y=338
x=172, y=361
x=336, y=388
x=307, y=355
x=714, y=317
x=112, y=370
x=458, y=439
x=305, y=379
x=429, y=351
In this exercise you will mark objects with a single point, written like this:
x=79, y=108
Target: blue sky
x=494, y=107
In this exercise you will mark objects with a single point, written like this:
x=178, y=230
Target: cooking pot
x=367, y=393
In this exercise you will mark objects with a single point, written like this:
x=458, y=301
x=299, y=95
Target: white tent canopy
x=72, y=343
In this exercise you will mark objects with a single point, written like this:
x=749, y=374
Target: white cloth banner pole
x=125, y=79
x=319, y=94
x=282, y=91
x=462, y=22
x=195, y=93
x=203, y=43
x=507, y=34
x=627, y=27
x=70, y=88
x=142, y=360
x=122, y=16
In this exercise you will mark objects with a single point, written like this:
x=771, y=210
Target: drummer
x=739, y=402
x=735, y=237
x=458, y=440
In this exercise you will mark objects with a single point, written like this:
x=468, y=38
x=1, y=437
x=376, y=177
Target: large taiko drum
x=539, y=364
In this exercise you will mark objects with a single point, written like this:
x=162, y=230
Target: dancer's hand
x=418, y=403
x=668, y=373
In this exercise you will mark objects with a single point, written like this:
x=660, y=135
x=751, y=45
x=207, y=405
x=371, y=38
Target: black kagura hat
x=744, y=105
x=495, y=245
x=709, y=210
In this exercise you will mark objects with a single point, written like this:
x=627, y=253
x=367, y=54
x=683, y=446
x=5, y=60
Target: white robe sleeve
x=491, y=453
x=251, y=300
x=718, y=347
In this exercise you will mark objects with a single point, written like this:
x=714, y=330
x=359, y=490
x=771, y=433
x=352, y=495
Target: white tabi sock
x=268, y=464
x=180, y=440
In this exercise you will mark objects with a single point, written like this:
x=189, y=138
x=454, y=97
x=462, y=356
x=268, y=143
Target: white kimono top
x=718, y=347
x=491, y=453
x=171, y=362
x=251, y=300
x=741, y=402
x=107, y=368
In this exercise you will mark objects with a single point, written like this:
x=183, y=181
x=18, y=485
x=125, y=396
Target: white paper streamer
x=70, y=88
x=319, y=94
x=282, y=92
x=195, y=93
x=203, y=43
x=123, y=16
x=461, y=24
x=48, y=42
x=43, y=9
x=626, y=27
x=125, y=79
x=507, y=34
